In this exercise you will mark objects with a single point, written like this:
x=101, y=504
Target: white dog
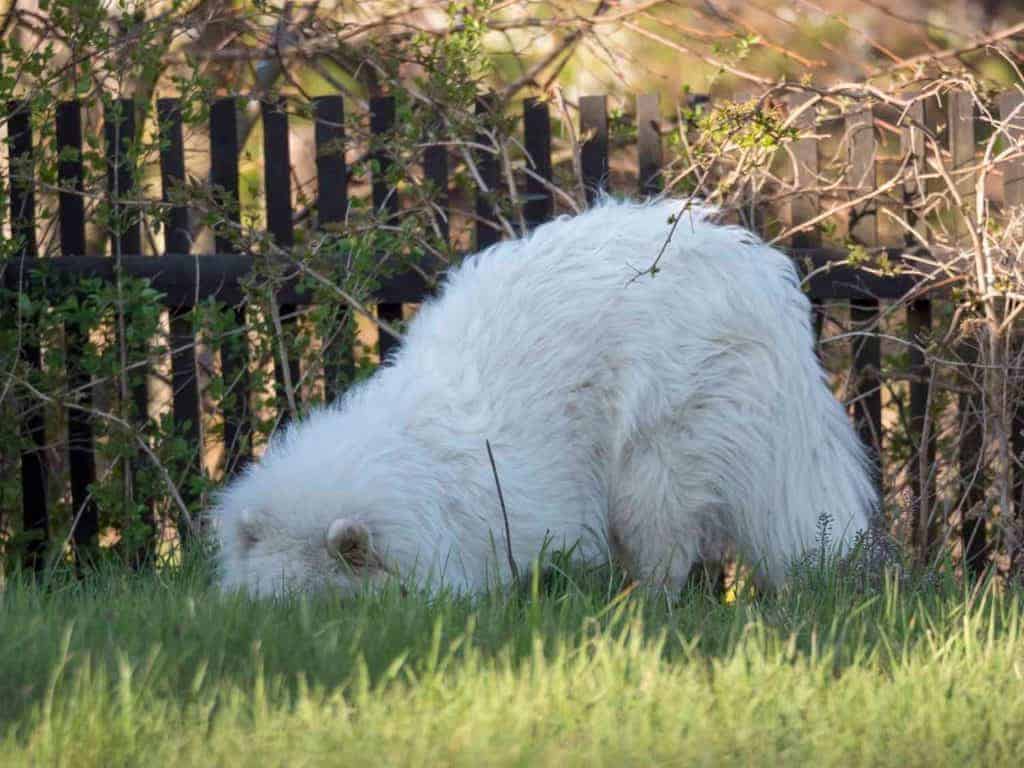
x=654, y=418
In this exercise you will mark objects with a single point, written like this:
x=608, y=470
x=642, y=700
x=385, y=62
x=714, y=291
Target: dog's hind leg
x=657, y=520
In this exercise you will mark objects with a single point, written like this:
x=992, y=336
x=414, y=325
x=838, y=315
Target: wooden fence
x=182, y=276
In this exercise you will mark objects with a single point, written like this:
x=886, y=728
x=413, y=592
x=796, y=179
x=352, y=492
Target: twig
x=349, y=299
x=286, y=375
x=504, y=513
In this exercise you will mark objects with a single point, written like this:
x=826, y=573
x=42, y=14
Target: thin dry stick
x=286, y=376
x=467, y=156
x=927, y=480
x=349, y=299
x=58, y=553
x=513, y=192
x=285, y=256
x=504, y=513
x=574, y=144
x=897, y=178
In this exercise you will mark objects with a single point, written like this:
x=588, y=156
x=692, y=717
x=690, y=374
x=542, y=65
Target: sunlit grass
x=130, y=669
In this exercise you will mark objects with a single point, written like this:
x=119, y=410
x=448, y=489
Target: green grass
x=158, y=669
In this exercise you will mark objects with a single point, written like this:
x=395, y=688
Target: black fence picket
x=35, y=520
x=331, y=169
x=486, y=162
x=182, y=340
x=385, y=202
x=332, y=208
x=924, y=524
x=974, y=529
x=277, y=184
x=435, y=170
x=177, y=235
x=234, y=352
x=539, y=203
x=124, y=227
x=594, y=146
x=71, y=222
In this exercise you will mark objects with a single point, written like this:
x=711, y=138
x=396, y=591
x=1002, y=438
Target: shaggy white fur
x=657, y=419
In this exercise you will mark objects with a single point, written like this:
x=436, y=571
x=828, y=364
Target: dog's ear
x=247, y=530
x=352, y=542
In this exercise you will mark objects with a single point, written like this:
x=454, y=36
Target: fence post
x=594, y=150
x=1011, y=110
x=277, y=182
x=974, y=533
x=867, y=351
x=487, y=232
x=21, y=169
x=177, y=239
x=234, y=351
x=71, y=221
x=332, y=208
x=648, y=144
x=539, y=204
x=804, y=205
